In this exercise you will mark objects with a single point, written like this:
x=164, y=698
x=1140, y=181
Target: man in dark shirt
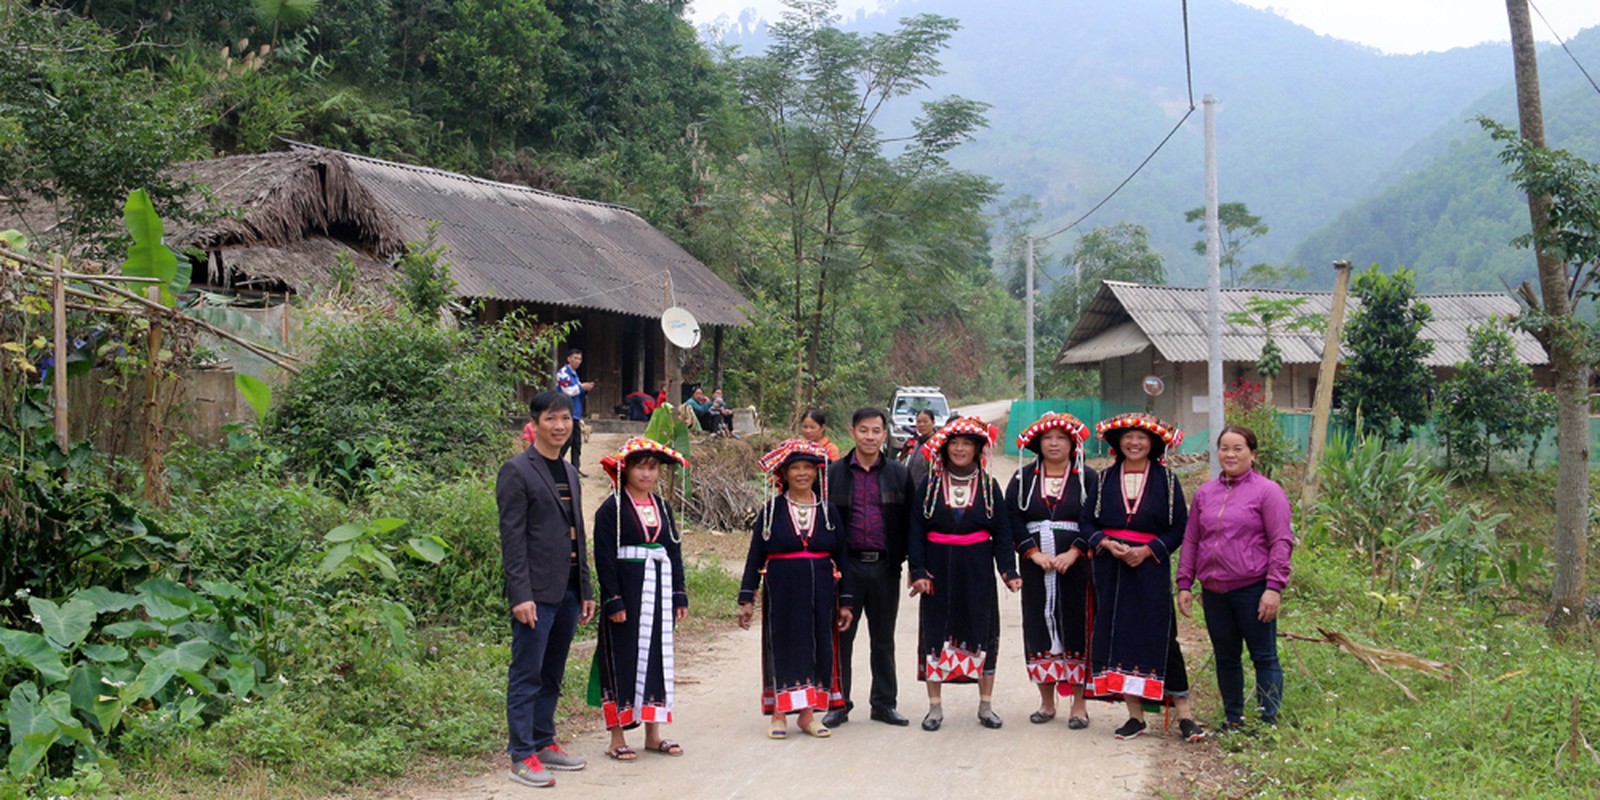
x=547, y=586
x=873, y=495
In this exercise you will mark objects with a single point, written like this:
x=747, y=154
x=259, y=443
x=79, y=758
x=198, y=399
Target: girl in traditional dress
x=814, y=429
x=1135, y=527
x=799, y=547
x=1237, y=545
x=639, y=560
x=959, y=533
x=1046, y=499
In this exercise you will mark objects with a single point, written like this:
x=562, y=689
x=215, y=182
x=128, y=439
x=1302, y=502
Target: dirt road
x=727, y=754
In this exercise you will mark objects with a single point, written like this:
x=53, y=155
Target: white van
x=903, y=408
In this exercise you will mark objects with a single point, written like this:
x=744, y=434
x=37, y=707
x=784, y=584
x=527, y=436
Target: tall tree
x=1563, y=211
x=1238, y=228
x=1385, y=382
x=834, y=202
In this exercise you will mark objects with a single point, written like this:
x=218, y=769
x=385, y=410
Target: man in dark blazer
x=873, y=494
x=547, y=585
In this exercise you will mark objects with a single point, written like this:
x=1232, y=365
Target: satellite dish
x=680, y=327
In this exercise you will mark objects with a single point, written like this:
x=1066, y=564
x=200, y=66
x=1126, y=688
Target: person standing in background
x=571, y=385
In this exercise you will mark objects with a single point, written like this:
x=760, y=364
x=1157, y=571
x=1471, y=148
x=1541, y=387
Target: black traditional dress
x=956, y=547
x=800, y=553
x=1057, y=608
x=1135, y=646
x=640, y=566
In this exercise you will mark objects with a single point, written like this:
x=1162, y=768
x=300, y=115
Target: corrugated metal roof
x=510, y=242
x=1120, y=340
x=1174, y=319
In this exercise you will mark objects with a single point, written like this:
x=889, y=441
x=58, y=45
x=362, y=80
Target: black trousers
x=877, y=587
x=574, y=443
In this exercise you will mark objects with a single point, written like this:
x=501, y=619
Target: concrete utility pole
x=1322, y=406
x=1567, y=592
x=1213, y=286
x=1028, y=303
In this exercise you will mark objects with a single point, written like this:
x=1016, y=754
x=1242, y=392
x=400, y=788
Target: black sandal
x=1040, y=718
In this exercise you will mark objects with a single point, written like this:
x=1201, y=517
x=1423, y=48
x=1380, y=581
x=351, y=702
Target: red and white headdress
x=778, y=459
x=1072, y=426
x=616, y=463
x=1166, y=436
x=789, y=451
x=969, y=427
x=1030, y=440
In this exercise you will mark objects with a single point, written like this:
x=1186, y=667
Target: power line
x=1188, y=79
x=1563, y=44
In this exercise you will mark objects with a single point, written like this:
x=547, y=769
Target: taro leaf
x=106, y=653
x=105, y=600
x=65, y=625
x=58, y=704
x=199, y=682
x=344, y=533
x=135, y=629
x=86, y=690
x=163, y=609
x=36, y=650
x=149, y=256
x=222, y=590
x=163, y=665
x=33, y=730
x=256, y=392
x=426, y=548
x=241, y=679
x=169, y=602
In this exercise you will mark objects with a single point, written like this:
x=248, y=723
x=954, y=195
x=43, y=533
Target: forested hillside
x=1082, y=90
x=1451, y=212
x=607, y=100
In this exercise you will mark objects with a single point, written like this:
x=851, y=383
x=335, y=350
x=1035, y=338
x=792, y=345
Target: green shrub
x=389, y=390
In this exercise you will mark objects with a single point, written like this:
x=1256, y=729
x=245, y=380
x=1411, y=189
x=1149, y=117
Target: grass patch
x=1492, y=731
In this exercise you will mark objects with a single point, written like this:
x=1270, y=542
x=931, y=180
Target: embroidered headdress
x=1163, y=437
x=934, y=451
x=1030, y=439
x=617, y=463
x=778, y=459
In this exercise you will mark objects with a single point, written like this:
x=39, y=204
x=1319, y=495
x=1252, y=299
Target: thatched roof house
x=279, y=221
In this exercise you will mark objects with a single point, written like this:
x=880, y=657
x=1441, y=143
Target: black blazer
x=894, y=486
x=535, y=543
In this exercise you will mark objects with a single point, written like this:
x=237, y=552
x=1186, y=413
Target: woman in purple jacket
x=1237, y=545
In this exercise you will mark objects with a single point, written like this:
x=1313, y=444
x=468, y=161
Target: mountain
x=1448, y=211
x=1082, y=90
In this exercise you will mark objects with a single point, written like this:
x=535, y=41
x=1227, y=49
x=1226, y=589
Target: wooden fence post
x=58, y=372
x=1322, y=406
x=154, y=470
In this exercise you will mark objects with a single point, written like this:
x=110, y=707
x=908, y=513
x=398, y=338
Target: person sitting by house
x=638, y=406
x=714, y=416
x=721, y=414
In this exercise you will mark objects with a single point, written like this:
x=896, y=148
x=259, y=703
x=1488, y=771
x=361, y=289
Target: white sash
x=1045, y=531
x=649, y=617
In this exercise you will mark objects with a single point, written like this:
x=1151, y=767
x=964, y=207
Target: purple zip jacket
x=1238, y=534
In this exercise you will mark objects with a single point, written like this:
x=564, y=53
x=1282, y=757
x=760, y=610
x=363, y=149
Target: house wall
x=621, y=353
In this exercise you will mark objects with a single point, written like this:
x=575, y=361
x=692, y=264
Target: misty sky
x=1393, y=26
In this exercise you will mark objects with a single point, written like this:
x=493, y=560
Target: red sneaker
x=531, y=772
